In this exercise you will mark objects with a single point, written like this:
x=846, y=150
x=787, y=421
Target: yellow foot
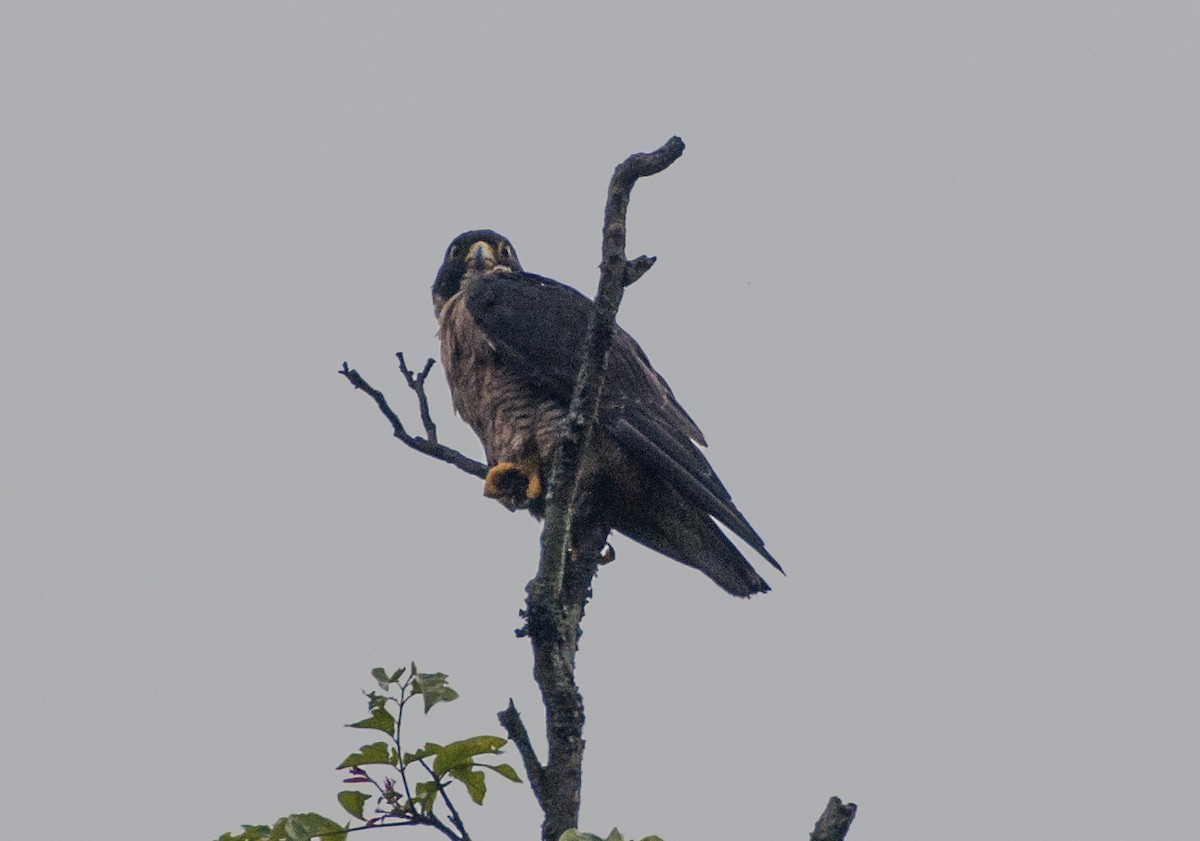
x=516, y=484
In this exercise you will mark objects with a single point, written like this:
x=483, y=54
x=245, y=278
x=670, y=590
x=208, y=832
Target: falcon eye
x=505, y=249
x=452, y=253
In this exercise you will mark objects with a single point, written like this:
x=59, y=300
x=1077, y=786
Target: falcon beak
x=481, y=257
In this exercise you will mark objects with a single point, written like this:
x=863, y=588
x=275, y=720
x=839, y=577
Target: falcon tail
x=678, y=529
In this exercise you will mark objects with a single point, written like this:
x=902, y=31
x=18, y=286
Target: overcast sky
x=927, y=280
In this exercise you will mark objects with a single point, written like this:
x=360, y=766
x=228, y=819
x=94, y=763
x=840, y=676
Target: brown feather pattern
x=511, y=344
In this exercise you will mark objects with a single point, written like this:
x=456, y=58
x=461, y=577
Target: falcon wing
x=538, y=326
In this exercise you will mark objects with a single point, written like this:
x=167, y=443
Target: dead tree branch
x=510, y=720
x=428, y=446
x=835, y=821
x=417, y=383
x=574, y=535
x=616, y=272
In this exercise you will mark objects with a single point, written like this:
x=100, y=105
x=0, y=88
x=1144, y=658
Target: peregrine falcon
x=512, y=344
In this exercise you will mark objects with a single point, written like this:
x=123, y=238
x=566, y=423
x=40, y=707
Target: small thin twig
x=421, y=445
x=636, y=268
x=382, y=825
x=454, y=817
x=835, y=821
x=415, y=821
x=417, y=383
x=510, y=720
x=400, y=702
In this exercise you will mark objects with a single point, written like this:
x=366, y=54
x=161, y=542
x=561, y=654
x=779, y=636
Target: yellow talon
x=534, y=489
x=516, y=484
x=496, y=477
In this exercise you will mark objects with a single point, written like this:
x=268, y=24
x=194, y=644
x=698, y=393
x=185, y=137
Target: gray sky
x=927, y=280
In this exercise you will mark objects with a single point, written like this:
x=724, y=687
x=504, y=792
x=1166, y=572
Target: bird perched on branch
x=512, y=344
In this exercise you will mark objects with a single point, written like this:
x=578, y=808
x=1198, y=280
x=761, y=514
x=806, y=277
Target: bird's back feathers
x=537, y=328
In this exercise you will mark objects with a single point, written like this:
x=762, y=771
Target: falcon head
x=474, y=254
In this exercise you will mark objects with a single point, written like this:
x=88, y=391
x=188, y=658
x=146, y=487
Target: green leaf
x=615, y=835
x=384, y=679
x=377, y=753
x=380, y=719
x=353, y=802
x=426, y=793
x=505, y=770
x=432, y=688
x=457, y=753
x=249, y=832
x=430, y=749
x=473, y=780
x=311, y=825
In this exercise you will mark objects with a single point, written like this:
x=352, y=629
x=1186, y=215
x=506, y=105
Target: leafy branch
x=403, y=788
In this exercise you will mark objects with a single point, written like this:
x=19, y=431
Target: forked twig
x=421, y=445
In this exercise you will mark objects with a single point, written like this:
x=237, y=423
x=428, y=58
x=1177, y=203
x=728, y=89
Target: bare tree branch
x=421, y=445
x=417, y=383
x=835, y=821
x=615, y=274
x=575, y=534
x=510, y=720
